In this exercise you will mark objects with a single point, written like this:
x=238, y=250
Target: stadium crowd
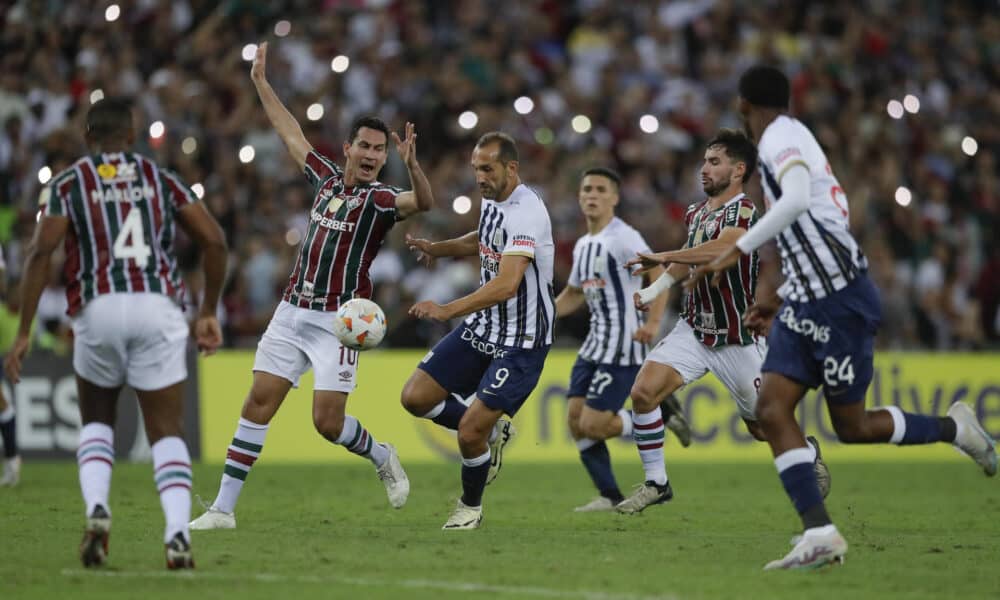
x=653, y=80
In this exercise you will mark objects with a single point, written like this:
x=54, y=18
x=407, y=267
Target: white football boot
x=505, y=433
x=464, y=517
x=972, y=439
x=815, y=548
x=397, y=484
x=214, y=519
x=598, y=504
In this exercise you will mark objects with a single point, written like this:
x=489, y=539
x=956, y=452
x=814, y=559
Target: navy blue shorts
x=828, y=342
x=606, y=387
x=501, y=376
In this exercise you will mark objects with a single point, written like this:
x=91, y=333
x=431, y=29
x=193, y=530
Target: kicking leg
x=473, y=442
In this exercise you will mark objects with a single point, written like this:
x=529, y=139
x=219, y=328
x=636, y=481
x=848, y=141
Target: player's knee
x=643, y=398
x=328, y=422
x=416, y=401
x=767, y=412
x=471, y=437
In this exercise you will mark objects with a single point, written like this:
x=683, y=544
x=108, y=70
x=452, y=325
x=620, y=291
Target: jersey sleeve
x=782, y=148
x=525, y=231
x=51, y=203
x=631, y=243
x=385, y=201
x=179, y=194
x=741, y=214
x=574, y=273
x=319, y=168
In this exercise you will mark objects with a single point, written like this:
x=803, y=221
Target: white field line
x=429, y=584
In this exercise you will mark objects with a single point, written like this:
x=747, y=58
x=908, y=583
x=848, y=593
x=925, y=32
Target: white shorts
x=299, y=338
x=134, y=338
x=737, y=367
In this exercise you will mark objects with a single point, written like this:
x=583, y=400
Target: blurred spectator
x=653, y=79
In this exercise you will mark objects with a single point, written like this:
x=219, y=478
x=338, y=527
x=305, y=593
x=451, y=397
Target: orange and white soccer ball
x=359, y=324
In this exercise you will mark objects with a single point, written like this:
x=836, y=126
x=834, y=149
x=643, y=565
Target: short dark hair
x=508, y=148
x=371, y=123
x=109, y=119
x=739, y=147
x=765, y=86
x=604, y=172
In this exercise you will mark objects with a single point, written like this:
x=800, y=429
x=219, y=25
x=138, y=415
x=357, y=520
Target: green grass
x=926, y=530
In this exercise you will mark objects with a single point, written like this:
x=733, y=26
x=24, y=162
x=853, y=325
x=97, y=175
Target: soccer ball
x=359, y=324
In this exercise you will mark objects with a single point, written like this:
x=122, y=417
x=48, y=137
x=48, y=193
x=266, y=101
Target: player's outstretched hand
x=431, y=311
x=644, y=262
x=648, y=331
x=407, y=147
x=716, y=268
x=422, y=248
x=12, y=364
x=759, y=316
x=207, y=334
x=257, y=69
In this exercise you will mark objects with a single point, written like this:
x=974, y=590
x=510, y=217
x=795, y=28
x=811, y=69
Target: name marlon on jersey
x=332, y=223
x=115, y=194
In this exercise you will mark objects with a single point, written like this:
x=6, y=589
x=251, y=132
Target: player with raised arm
x=351, y=214
x=619, y=334
x=827, y=316
x=498, y=352
x=118, y=211
x=709, y=336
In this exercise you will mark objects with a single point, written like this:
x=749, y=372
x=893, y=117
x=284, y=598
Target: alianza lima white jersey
x=818, y=253
x=518, y=226
x=599, y=270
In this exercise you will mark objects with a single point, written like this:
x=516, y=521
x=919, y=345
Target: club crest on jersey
x=711, y=227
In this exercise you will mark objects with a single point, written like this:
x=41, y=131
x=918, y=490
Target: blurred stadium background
x=902, y=94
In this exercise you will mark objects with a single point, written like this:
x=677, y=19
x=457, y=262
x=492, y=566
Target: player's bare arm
x=198, y=223
x=647, y=332
x=702, y=253
x=49, y=234
x=467, y=245
x=660, y=287
x=283, y=122
x=569, y=300
x=501, y=288
x=420, y=197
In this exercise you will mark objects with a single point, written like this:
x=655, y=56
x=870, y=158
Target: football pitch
x=916, y=530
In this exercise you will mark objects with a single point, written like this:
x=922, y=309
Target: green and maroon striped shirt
x=347, y=226
x=716, y=313
x=122, y=209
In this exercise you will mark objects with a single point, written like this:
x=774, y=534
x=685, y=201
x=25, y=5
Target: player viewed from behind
x=118, y=212
x=351, y=214
x=827, y=316
x=498, y=352
x=709, y=336
x=618, y=338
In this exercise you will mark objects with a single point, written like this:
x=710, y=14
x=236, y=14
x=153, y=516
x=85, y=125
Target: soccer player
x=8, y=419
x=118, y=212
x=827, y=319
x=351, y=214
x=497, y=353
x=618, y=337
x=709, y=336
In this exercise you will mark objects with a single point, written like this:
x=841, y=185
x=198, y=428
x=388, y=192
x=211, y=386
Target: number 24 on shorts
x=838, y=373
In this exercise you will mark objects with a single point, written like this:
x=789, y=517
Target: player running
x=827, y=316
x=617, y=342
x=498, y=352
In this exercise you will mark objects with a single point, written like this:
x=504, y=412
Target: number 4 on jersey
x=131, y=241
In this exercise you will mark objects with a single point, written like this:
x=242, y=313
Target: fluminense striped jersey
x=520, y=226
x=818, y=253
x=716, y=313
x=122, y=209
x=598, y=269
x=347, y=226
